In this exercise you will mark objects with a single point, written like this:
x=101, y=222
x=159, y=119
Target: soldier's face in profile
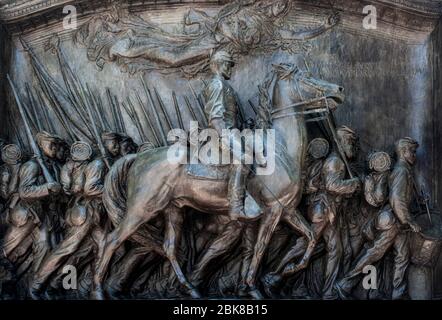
x=226, y=69
x=127, y=147
x=49, y=149
x=112, y=146
x=62, y=152
x=349, y=146
x=410, y=154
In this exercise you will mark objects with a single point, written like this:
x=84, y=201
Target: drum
x=425, y=245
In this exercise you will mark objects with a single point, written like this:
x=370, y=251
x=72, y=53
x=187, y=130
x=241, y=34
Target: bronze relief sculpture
x=145, y=215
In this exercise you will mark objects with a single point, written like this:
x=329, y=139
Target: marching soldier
x=390, y=223
x=83, y=180
x=327, y=184
x=35, y=198
x=19, y=226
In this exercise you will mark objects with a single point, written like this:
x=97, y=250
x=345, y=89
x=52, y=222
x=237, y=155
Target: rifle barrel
x=35, y=149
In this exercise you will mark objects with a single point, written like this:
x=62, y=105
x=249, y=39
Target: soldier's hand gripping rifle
x=34, y=147
x=331, y=125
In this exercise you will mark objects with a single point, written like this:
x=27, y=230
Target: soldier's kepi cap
x=346, y=131
x=11, y=154
x=44, y=136
x=222, y=56
x=110, y=136
x=406, y=142
x=81, y=151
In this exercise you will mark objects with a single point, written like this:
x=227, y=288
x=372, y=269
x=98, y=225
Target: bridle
x=307, y=110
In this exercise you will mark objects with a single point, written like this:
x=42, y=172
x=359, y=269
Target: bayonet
x=155, y=113
x=163, y=109
x=189, y=107
x=94, y=128
x=177, y=110
x=201, y=105
x=146, y=116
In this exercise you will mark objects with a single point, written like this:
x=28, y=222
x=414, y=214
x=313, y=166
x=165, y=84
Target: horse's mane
x=265, y=107
x=264, y=116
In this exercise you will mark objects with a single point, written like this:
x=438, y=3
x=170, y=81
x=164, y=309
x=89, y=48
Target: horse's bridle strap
x=299, y=104
x=300, y=113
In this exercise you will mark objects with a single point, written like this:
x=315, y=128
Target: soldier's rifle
x=94, y=127
x=177, y=110
x=163, y=109
x=35, y=149
x=331, y=124
x=155, y=113
x=48, y=85
x=189, y=107
x=200, y=104
x=146, y=116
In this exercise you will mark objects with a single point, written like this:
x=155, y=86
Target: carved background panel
x=390, y=75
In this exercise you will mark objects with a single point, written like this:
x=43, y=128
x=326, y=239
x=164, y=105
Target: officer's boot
x=237, y=192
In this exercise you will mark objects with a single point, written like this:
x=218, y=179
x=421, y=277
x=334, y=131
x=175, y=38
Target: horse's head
x=294, y=85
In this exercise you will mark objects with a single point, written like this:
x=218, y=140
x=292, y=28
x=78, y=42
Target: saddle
x=221, y=173
x=208, y=172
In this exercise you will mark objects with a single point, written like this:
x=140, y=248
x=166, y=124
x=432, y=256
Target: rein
x=300, y=104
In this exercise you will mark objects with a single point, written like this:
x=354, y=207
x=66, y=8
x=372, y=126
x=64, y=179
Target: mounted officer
x=221, y=108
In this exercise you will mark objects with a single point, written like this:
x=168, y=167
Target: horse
x=153, y=185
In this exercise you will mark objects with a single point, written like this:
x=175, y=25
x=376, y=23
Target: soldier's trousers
x=68, y=246
x=15, y=236
x=332, y=238
x=385, y=239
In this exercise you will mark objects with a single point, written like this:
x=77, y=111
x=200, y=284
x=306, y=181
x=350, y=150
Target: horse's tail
x=115, y=189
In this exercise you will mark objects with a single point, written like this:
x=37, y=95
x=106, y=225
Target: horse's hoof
x=255, y=293
x=271, y=283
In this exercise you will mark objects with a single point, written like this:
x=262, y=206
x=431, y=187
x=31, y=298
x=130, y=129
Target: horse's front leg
x=297, y=222
x=268, y=224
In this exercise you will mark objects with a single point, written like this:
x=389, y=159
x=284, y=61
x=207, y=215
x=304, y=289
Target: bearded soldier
x=83, y=180
x=389, y=224
x=221, y=108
